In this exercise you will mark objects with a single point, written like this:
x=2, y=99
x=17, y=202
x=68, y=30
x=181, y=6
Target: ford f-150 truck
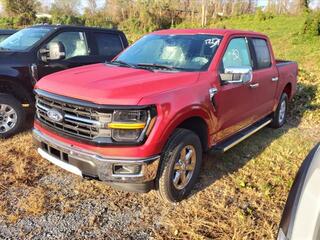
x=34, y=52
x=143, y=120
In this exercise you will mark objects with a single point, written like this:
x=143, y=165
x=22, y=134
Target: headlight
x=130, y=125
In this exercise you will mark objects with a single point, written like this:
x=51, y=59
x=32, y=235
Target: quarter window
x=109, y=45
x=237, y=54
x=75, y=43
x=262, y=53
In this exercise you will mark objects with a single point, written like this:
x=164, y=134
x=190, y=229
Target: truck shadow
x=216, y=166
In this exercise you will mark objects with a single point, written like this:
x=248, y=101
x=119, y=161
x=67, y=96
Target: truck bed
x=281, y=62
x=287, y=70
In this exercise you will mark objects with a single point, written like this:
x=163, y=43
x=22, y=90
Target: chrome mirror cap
x=237, y=75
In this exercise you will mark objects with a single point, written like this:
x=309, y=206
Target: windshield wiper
x=154, y=65
x=4, y=49
x=121, y=63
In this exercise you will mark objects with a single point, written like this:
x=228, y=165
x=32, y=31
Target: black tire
x=278, y=121
x=181, y=140
x=10, y=101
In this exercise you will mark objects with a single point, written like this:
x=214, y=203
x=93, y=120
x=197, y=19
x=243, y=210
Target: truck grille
x=79, y=121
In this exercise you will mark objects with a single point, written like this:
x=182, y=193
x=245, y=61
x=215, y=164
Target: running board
x=240, y=136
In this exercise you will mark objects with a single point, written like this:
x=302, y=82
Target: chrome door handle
x=254, y=85
x=274, y=79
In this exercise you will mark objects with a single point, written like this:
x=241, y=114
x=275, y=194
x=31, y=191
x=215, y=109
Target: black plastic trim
x=78, y=102
x=133, y=187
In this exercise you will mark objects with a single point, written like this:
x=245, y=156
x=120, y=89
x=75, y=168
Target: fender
x=182, y=115
x=9, y=85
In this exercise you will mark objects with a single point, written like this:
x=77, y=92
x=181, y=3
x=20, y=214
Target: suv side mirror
x=53, y=51
x=237, y=75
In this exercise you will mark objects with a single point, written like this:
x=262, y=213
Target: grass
x=240, y=194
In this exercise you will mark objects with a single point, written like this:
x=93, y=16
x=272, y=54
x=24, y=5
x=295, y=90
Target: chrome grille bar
x=77, y=120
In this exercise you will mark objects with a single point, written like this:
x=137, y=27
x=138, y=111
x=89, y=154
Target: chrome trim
x=89, y=121
x=212, y=92
x=274, y=79
x=102, y=165
x=247, y=135
x=254, y=85
x=80, y=124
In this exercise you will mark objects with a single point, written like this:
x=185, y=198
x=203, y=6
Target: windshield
x=23, y=39
x=181, y=52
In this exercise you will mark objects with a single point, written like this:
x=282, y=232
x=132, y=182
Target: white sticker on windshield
x=213, y=42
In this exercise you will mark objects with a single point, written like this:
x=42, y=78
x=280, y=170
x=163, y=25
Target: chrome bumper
x=89, y=164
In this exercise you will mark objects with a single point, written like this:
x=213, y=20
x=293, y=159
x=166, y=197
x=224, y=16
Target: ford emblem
x=55, y=115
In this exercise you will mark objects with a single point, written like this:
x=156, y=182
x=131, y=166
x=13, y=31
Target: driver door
x=77, y=53
x=235, y=102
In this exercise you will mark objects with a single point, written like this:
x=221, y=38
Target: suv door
x=235, y=101
x=77, y=51
x=266, y=76
x=108, y=45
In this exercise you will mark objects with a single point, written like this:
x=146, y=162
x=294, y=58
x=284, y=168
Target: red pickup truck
x=143, y=120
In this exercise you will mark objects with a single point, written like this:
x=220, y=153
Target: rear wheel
x=12, y=116
x=280, y=115
x=180, y=165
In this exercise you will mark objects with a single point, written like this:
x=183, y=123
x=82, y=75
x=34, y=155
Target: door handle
x=254, y=85
x=274, y=79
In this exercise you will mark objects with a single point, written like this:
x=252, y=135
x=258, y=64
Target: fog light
x=126, y=169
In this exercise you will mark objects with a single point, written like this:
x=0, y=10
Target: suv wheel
x=180, y=165
x=280, y=115
x=12, y=116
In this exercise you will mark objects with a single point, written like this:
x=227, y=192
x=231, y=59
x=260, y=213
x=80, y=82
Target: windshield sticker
x=213, y=42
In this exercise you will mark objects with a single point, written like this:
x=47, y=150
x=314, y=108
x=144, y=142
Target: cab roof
x=58, y=26
x=222, y=32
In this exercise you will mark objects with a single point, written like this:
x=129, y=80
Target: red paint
x=178, y=96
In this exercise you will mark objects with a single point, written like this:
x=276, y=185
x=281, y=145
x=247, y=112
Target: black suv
x=34, y=52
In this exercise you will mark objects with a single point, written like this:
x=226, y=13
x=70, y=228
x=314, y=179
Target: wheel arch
x=197, y=121
x=9, y=86
x=288, y=90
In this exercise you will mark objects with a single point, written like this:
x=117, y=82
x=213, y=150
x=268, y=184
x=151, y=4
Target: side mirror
x=237, y=75
x=53, y=51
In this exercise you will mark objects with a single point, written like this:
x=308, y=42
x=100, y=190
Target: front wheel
x=12, y=116
x=180, y=165
x=280, y=115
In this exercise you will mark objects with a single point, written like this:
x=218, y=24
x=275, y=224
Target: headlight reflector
x=129, y=125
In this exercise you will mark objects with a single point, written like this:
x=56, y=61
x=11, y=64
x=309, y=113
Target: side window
x=75, y=43
x=3, y=37
x=262, y=53
x=237, y=54
x=109, y=45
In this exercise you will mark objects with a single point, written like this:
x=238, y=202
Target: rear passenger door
x=107, y=45
x=265, y=75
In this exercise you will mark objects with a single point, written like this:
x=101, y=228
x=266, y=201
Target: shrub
x=263, y=16
x=312, y=24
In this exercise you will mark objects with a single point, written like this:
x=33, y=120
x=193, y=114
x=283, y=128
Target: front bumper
x=104, y=168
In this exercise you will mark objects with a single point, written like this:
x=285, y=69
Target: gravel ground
x=90, y=218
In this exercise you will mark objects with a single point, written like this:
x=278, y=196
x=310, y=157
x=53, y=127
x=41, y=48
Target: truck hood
x=105, y=84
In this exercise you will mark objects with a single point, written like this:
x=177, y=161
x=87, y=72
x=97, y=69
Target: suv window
x=262, y=53
x=75, y=43
x=109, y=45
x=237, y=54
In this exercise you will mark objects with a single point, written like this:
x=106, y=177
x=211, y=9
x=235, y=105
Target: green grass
x=240, y=194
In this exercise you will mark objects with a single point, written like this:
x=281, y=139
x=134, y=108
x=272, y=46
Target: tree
x=65, y=7
x=91, y=8
x=25, y=10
